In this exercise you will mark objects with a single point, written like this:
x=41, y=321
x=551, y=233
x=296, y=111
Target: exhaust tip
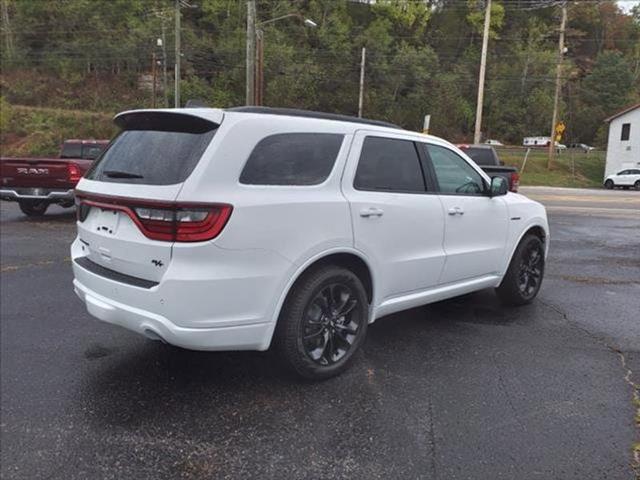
x=151, y=335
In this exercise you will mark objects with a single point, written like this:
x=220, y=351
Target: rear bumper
x=15, y=194
x=156, y=327
x=211, y=302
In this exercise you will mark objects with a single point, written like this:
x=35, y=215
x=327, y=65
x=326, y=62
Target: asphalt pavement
x=463, y=389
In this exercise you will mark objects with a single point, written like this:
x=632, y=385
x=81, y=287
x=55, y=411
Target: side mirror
x=499, y=187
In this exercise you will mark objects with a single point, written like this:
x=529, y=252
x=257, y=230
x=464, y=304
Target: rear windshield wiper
x=121, y=174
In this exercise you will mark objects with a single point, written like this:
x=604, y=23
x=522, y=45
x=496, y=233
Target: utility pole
x=483, y=68
x=251, y=53
x=164, y=66
x=177, y=61
x=556, y=99
x=6, y=30
x=259, y=76
x=361, y=96
x=153, y=75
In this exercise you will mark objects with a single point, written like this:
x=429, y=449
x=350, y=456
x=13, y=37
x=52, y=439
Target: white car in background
x=629, y=178
x=246, y=228
x=495, y=143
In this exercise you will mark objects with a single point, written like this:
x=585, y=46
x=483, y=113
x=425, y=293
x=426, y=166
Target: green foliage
x=422, y=58
x=40, y=131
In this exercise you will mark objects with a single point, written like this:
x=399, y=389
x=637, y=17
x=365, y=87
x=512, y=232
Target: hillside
x=37, y=131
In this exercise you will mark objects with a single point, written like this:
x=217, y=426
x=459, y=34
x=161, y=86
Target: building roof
x=626, y=110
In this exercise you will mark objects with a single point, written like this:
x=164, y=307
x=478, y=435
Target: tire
x=637, y=185
x=33, y=208
x=312, y=337
x=609, y=184
x=523, y=279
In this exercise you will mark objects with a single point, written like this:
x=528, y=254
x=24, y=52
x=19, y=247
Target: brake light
x=515, y=182
x=170, y=222
x=73, y=173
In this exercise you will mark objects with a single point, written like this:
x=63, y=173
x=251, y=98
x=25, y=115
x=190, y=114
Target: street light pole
x=255, y=41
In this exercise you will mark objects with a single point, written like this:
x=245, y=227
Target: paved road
x=464, y=389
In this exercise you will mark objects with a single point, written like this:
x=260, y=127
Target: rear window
x=154, y=149
x=71, y=150
x=292, y=159
x=91, y=152
x=482, y=156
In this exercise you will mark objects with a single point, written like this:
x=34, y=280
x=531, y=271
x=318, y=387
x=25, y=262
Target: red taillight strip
x=170, y=231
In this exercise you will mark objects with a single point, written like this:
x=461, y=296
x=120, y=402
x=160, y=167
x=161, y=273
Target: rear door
x=475, y=224
x=397, y=218
x=135, y=183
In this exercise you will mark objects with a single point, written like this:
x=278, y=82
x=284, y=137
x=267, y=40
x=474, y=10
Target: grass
x=35, y=131
x=570, y=169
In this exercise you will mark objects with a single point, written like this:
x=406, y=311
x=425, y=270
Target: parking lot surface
x=463, y=389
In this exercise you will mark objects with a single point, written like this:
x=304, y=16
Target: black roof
x=293, y=112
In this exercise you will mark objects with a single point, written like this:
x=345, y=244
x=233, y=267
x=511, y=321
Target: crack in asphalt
x=628, y=378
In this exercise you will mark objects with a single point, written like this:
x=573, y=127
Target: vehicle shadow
x=152, y=383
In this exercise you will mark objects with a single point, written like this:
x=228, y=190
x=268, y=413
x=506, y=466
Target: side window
x=626, y=132
x=453, y=173
x=390, y=165
x=292, y=159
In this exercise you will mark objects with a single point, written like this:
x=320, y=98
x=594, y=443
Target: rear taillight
x=515, y=182
x=73, y=173
x=170, y=222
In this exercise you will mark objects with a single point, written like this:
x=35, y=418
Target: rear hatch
x=35, y=173
x=128, y=218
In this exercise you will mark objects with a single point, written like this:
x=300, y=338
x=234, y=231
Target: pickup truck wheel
x=323, y=323
x=609, y=184
x=637, y=185
x=523, y=279
x=33, y=208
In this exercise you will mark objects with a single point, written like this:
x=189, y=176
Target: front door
x=475, y=224
x=398, y=221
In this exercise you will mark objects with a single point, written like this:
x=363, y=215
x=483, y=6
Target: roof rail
x=293, y=112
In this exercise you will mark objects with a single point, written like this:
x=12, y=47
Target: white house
x=623, y=148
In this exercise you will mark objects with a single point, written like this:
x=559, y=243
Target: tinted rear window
x=160, y=151
x=482, y=156
x=292, y=159
x=71, y=150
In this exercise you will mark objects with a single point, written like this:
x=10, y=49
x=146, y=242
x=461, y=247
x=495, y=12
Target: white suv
x=241, y=228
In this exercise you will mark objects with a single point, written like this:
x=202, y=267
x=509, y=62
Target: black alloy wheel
x=521, y=283
x=530, y=274
x=323, y=322
x=330, y=324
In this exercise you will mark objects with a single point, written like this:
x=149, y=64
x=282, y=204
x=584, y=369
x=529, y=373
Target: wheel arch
x=349, y=258
x=536, y=229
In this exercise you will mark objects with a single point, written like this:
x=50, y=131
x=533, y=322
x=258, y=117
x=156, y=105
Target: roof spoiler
x=164, y=121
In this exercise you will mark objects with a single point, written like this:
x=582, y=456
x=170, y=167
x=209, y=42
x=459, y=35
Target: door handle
x=371, y=212
x=456, y=211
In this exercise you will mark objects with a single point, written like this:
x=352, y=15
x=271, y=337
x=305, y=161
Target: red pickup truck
x=36, y=183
